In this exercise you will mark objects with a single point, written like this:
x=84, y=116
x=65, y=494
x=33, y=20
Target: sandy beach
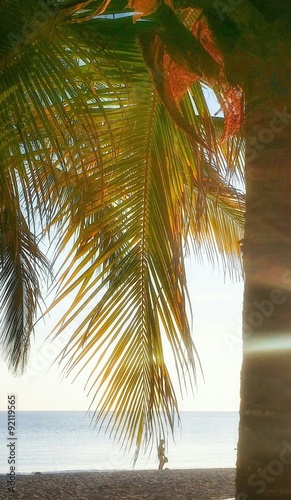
x=185, y=484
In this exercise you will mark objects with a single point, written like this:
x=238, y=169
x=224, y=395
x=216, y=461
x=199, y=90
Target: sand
x=184, y=484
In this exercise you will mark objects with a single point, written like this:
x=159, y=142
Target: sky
x=217, y=306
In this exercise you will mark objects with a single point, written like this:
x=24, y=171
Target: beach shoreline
x=168, y=484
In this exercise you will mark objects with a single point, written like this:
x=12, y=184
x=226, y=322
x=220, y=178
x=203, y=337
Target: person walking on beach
x=161, y=454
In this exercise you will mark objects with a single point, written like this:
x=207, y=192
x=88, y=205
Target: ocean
x=67, y=441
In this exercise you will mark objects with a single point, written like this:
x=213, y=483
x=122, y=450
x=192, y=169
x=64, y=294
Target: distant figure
x=161, y=454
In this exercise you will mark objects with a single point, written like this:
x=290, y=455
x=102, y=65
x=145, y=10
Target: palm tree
x=132, y=174
x=97, y=161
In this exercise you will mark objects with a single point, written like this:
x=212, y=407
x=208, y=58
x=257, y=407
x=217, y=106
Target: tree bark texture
x=264, y=447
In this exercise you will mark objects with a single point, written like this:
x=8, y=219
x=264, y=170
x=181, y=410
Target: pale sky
x=217, y=309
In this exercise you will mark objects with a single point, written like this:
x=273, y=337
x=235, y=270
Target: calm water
x=58, y=441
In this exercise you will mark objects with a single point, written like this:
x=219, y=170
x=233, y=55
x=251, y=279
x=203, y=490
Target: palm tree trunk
x=264, y=448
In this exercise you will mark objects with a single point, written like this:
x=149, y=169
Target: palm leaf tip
x=22, y=265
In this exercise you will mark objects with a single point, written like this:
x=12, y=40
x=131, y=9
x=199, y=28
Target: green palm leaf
x=126, y=265
x=22, y=267
x=100, y=161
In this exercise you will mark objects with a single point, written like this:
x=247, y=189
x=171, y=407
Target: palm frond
x=51, y=120
x=126, y=263
x=94, y=153
x=22, y=268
